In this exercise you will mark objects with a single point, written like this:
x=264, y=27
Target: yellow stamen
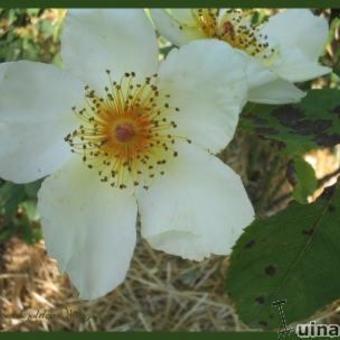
x=233, y=26
x=127, y=134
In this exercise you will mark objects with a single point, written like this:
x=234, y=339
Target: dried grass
x=161, y=293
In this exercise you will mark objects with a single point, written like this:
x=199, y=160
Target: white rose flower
x=118, y=133
x=280, y=52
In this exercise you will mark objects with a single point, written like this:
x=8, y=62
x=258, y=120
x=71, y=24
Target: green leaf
x=306, y=182
x=6, y=234
x=26, y=225
x=32, y=189
x=30, y=209
x=310, y=124
x=293, y=255
x=10, y=197
x=47, y=28
x=33, y=11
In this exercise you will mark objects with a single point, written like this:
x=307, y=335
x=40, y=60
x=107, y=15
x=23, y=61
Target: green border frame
x=170, y=3
x=147, y=336
x=159, y=4
x=140, y=336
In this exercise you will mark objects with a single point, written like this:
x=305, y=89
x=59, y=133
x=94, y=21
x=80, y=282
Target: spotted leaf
x=291, y=256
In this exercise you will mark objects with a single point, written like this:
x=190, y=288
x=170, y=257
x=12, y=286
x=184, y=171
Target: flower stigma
x=127, y=135
x=124, y=132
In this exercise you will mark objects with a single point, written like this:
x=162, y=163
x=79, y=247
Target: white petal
x=35, y=116
x=119, y=40
x=299, y=28
x=278, y=91
x=257, y=73
x=182, y=14
x=89, y=228
x=206, y=80
x=265, y=86
x=199, y=208
x=296, y=68
x=168, y=24
x=301, y=38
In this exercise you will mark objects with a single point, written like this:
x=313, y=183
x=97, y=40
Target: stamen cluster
x=235, y=27
x=126, y=135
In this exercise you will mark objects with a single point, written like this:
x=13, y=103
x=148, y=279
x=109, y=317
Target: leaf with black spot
x=293, y=256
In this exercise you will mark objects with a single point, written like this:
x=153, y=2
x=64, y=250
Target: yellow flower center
x=126, y=135
x=233, y=26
